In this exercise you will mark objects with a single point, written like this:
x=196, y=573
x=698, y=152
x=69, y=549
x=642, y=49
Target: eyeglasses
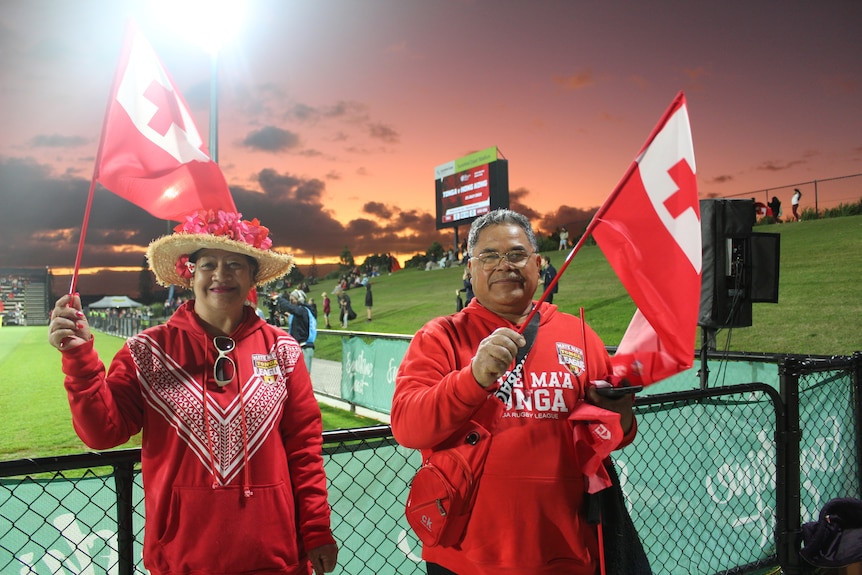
x=224, y=369
x=516, y=259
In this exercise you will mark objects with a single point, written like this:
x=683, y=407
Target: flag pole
x=83, y=233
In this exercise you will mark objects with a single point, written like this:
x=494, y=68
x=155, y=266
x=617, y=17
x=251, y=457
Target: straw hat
x=168, y=255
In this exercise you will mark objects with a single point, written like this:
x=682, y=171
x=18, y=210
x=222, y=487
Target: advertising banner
x=368, y=372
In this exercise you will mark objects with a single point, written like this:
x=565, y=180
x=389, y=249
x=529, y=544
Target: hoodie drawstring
x=246, y=488
x=207, y=429
x=246, y=482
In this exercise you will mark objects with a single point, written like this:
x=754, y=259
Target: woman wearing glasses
x=231, y=446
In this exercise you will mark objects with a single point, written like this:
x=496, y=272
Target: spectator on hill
x=369, y=300
x=775, y=207
x=346, y=312
x=232, y=431
x=467, y=287
x=564, y=238
x=327, y=308
x=794, y=202
x=549, y=272
x=302, y=324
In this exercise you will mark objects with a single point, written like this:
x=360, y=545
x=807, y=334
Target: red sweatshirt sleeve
x=107, y=410
x=435, y=391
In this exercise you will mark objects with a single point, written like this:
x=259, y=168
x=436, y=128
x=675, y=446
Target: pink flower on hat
x=227, y=224
x=215, y=229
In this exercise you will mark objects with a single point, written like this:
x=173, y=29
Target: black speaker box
x=765, y=254
x=739, y=267
x=725, y=290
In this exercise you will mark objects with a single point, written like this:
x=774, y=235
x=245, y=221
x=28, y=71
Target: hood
x=185, y=319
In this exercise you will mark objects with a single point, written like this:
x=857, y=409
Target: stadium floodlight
x=209, y=24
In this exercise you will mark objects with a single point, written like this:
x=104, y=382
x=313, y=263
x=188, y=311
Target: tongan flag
x=151, y=152
x=649, y=230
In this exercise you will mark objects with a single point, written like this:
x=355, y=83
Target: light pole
x=208, y=23
x=213, y=145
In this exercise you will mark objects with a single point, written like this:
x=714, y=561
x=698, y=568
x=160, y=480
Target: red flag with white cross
x=151, y=152
x=649, y=230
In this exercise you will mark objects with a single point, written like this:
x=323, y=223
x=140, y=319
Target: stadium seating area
x=24, y=297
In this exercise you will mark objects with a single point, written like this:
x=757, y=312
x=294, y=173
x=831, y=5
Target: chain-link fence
x=817, y=195
x=718, y=481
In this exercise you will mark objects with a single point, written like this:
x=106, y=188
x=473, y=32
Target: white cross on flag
x=151, y=152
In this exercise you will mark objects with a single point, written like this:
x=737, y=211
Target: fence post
x=816, y=201
x=857, y=410
x=123, y=478
x=788, y=481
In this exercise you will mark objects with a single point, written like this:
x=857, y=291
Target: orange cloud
x=575, y=81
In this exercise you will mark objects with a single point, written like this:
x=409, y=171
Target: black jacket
x=299, y=324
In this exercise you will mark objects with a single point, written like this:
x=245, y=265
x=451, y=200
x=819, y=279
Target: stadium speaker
x=725, y=296
x=765, y=254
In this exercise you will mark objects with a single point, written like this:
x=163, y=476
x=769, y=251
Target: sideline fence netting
x=709, y=483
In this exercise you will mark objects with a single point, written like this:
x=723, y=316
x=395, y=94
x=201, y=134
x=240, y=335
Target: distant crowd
x=122, y=321
x=12, y=289
x=450, y=258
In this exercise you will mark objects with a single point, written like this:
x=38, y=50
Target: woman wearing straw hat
x=231, y=447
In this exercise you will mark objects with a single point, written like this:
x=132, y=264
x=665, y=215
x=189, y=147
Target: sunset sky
x=334, y=113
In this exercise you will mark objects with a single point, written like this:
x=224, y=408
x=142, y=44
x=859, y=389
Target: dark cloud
x=362, y=227
x=354, y=111
x=775, y=166
x=576, y=81
x=343, y=112
x=575, y=219
x=42, y=216
x=271, y=139
x=377, y=209
x=380, y=131
x=303, y=112
x=311, y=153
x=57, y=141
x=722, y=179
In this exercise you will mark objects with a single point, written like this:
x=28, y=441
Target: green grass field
x=820, y=303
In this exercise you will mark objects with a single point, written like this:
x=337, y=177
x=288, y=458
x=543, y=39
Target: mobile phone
x=618, y=392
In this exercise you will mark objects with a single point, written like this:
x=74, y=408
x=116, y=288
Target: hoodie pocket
x=222, y=531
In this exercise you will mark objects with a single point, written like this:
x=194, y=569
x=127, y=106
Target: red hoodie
x=233, y=476
x=528, y=518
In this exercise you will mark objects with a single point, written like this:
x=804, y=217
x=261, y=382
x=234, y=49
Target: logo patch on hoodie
x=265, y=367
x=571, y=357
